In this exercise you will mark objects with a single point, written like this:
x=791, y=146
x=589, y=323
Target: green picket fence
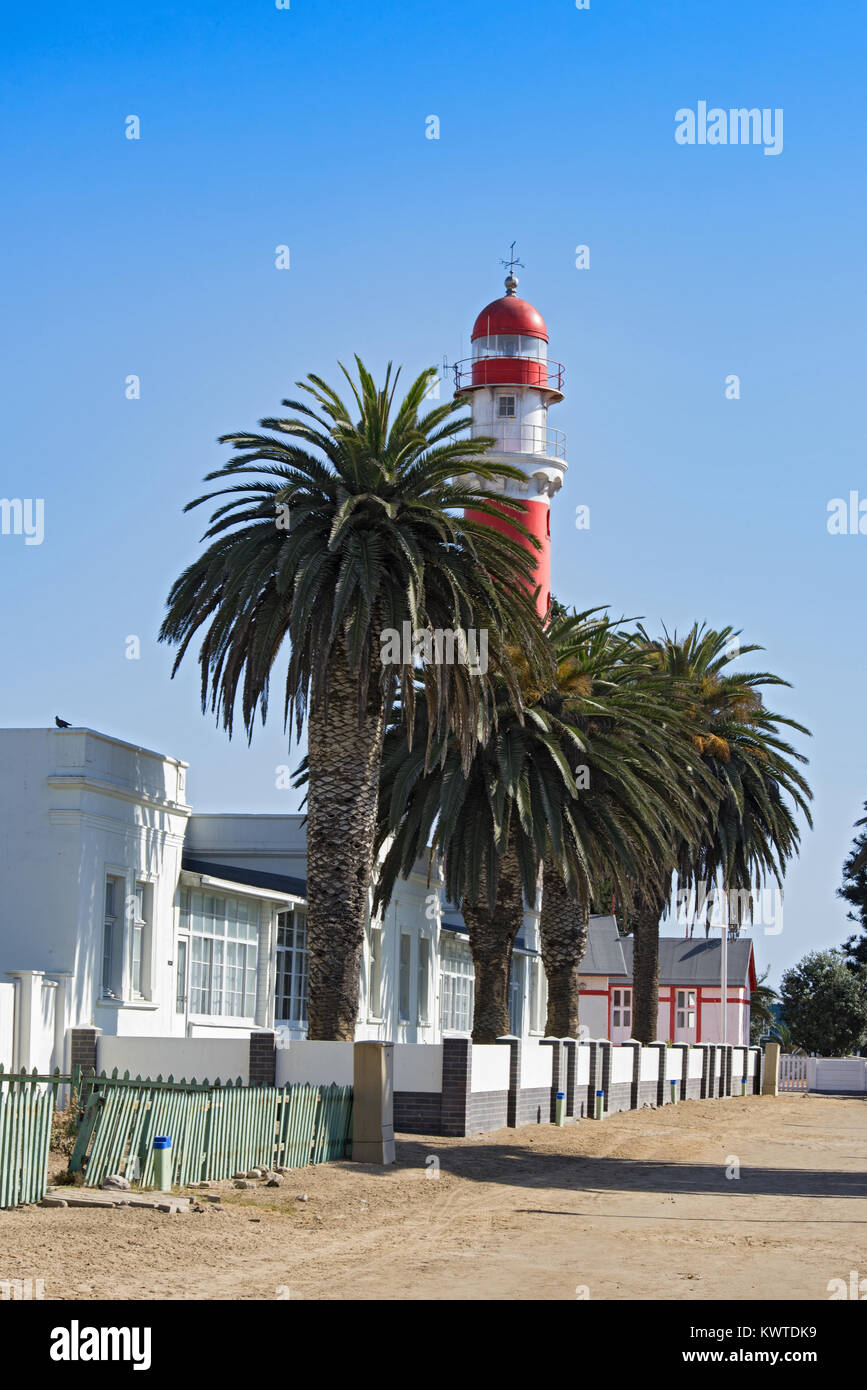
x=25, y=1139
x=215, y=1130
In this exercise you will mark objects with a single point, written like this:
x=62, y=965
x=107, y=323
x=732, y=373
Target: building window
x=516, y=996
x=423, y=980
x=404, y=959
x=538, y=997
x=621, y=1008
x=506, y=407
x=685, y=1008
x=374, y=982
x=181, y=977
x=224, y=935
x=111, y=936
x=140, y=915
x=292, y=967
x=456, y=986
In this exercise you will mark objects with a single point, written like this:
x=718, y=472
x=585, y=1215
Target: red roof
x=510, y=315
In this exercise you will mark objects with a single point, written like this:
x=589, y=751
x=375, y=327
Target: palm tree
x=343, y=523
x=491, y=823
x=752, y=831
x=521, y=805
x=636, y=752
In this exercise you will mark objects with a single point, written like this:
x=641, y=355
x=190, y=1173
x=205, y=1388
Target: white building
x=123, y=910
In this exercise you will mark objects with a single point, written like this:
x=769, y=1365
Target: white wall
x=536, y=1064
x=837, y=1074
x=621, y=1064
x=206, y=1059
x=418, y=1067
x=320, y=1063
x=649, y=1064
x=490, y=1067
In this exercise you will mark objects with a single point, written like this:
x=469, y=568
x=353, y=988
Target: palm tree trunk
x=492, y=936
x=645, y=968
x=345, y=756
x=564, y=925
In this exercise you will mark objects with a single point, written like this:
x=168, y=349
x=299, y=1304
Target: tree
x=825, y=1004
x=751, y=831
x=491, y=822
x=762, y=1016
x=634, y=762
x=342, y=524
x=854, y=891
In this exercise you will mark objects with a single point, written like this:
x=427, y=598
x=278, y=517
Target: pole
x=724, y=982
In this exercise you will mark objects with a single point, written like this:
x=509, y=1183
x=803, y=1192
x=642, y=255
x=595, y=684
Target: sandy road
x=639, y=1206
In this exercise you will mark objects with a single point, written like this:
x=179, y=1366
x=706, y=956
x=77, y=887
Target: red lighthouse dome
x=510, y=316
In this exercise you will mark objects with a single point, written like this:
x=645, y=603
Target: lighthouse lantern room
x=510, y=383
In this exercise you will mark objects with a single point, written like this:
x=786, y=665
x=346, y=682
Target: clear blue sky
x=306, y=126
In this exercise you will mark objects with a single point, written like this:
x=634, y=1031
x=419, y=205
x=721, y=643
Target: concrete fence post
x=771, y=1070
x=263, y=1058
x=373, y=1102
x=605, y=1070
x=569, y=1046
x=636, y=1071
x=706, y=1070
x=557, y=1070
x=684, y=1069
x=661, y=1049
x=513, y=1100
x=83, y=1045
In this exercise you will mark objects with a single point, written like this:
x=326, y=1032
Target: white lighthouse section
x=514, y=413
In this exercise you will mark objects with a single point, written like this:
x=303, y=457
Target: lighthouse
x=509, y=383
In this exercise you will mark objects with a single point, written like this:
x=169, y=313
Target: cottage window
x=621, y=1008
x=685, y=1008
x=292, y=966
x=456, y=986
x=224, y=935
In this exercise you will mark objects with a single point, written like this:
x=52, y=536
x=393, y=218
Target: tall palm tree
x=636, y=752
x=344, y=522
x=491, y=823
x=752, y=831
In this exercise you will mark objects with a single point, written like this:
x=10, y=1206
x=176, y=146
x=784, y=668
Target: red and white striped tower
x=510, y=384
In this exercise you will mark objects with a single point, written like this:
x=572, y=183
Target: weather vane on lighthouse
x=511, y=278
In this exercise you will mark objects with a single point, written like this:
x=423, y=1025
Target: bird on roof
x=61, y=723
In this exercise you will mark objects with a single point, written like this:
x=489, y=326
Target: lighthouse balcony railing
x=508, y=369
x=514, y=438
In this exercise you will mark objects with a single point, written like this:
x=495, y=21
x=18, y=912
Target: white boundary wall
x=206, y=1059
x=837, y=1074
x=320, y=1063
x=536, y=1066
x=649, y=1064
x=490, y=1069
x=419, y=1067
x=621, y=1064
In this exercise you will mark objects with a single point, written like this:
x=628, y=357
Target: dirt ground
x=639, y=1206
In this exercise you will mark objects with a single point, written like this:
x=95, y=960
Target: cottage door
x=621, y=1015
x=684, y=1016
